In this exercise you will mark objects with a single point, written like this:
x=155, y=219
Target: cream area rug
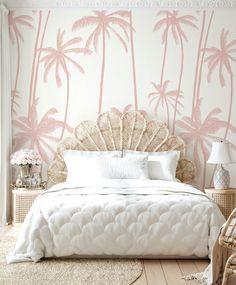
x=66, y=271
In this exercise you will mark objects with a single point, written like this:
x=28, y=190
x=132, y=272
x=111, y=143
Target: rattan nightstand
x=22, y=199
x=225, y=199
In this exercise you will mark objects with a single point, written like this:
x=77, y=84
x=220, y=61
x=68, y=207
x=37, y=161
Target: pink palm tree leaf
x=211, y=69
x=62, y=63
x=85, y=22
x=78, y=50
x=42, y=141
x=71, y=42
x=188, y=23
x=127, y=108
x=80, y=68
x=214, y=112
x=116, y=111
x=60, y=35
x=230, y=44
x=122, y=24
x=96, y=37
x=47, y=69
x=232, y=58
x=159, y=25
x=222, y=79
x=162, y=12
x=181, y=33
x=25, y=23
x=41, y=151
x=50, y=138
x=122, y=13
x=227, y=65
x=119, y=38
x=196, y=157
x=58, y=79
x=175, y=35
x=152, y=94
x=20, y=125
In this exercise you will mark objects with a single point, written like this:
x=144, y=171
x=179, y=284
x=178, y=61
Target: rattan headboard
x=113, y=132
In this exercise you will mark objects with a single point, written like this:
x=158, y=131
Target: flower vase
x=25, y=175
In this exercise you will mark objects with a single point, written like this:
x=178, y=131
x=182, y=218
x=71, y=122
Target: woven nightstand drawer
x=22, y=202
x=225, y=199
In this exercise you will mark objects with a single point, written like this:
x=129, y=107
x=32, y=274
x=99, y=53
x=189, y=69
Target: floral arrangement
x=26, y=157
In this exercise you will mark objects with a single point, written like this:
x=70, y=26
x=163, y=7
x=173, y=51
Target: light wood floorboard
x=155, y=272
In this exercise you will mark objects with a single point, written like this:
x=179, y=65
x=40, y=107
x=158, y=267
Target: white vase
x=221, y=178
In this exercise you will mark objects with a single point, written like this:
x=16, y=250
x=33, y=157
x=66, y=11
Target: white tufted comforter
x=119, y=218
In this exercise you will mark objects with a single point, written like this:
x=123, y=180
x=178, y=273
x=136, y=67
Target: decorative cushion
x=161, y=165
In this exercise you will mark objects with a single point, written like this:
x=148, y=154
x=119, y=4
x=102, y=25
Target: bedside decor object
x=220, y=154
x=25, y=158
x=225, y=199
x=22, y=200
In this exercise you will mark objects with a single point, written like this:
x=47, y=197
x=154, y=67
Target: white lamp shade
x=220, y=153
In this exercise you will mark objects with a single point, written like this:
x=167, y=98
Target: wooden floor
x=157, y=272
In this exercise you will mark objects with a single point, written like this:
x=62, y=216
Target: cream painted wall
x=183, y=62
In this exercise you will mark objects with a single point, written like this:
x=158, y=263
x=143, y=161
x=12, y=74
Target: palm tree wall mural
x=105, y=24
x=177, y=66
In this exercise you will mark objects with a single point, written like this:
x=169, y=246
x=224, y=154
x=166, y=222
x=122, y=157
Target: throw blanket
x=141, y=218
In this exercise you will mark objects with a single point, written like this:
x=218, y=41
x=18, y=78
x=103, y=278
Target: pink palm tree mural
x=127, y=108
x=201, y=132
x=59, y=58
x=165, y=98
x=174, y=23
x=133, y=61
x=105, y=24
x=37, y=134
x=222, y=58
x=15, y=36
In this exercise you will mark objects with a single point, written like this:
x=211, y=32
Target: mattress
x=119, y=218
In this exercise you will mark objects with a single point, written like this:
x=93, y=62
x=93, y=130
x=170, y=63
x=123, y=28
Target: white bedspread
x=119, y=218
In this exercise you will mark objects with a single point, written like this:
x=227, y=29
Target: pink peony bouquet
x=26, y=156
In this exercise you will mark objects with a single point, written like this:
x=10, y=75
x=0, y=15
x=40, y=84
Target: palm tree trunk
x=168, y=114
x=180, y=81
x=204, y=174
x=133, y=63
x=230, y=105
x=67, y=104
x=34, y=61
x=102, y=71
x=164, y=57
x=17, y=71
x=38, y=60
x=202, y=59
x=198, y=59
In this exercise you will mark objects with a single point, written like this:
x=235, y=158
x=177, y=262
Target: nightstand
x=22, y=200
x=225, y=199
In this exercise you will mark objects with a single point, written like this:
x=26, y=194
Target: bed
x=120, y=217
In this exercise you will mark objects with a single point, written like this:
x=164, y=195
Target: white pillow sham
x=161, y=165
x=82, y=168
x=77, y=165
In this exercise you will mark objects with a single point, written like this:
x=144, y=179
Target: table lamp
x=220, y=154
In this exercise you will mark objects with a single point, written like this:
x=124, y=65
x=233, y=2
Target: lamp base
x=221, y=178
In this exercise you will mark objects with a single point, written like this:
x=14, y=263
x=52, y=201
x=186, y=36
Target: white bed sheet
x=119, y=218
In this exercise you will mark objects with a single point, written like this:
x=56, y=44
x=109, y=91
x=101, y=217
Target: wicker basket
x=225, y=199
x=22, y=202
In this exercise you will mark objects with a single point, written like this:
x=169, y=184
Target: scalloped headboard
x=113, y=132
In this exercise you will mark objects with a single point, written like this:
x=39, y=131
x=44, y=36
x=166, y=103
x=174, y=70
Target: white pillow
x=78, y=163
x=123, y=168
x=82, y=168
x=161, y=165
